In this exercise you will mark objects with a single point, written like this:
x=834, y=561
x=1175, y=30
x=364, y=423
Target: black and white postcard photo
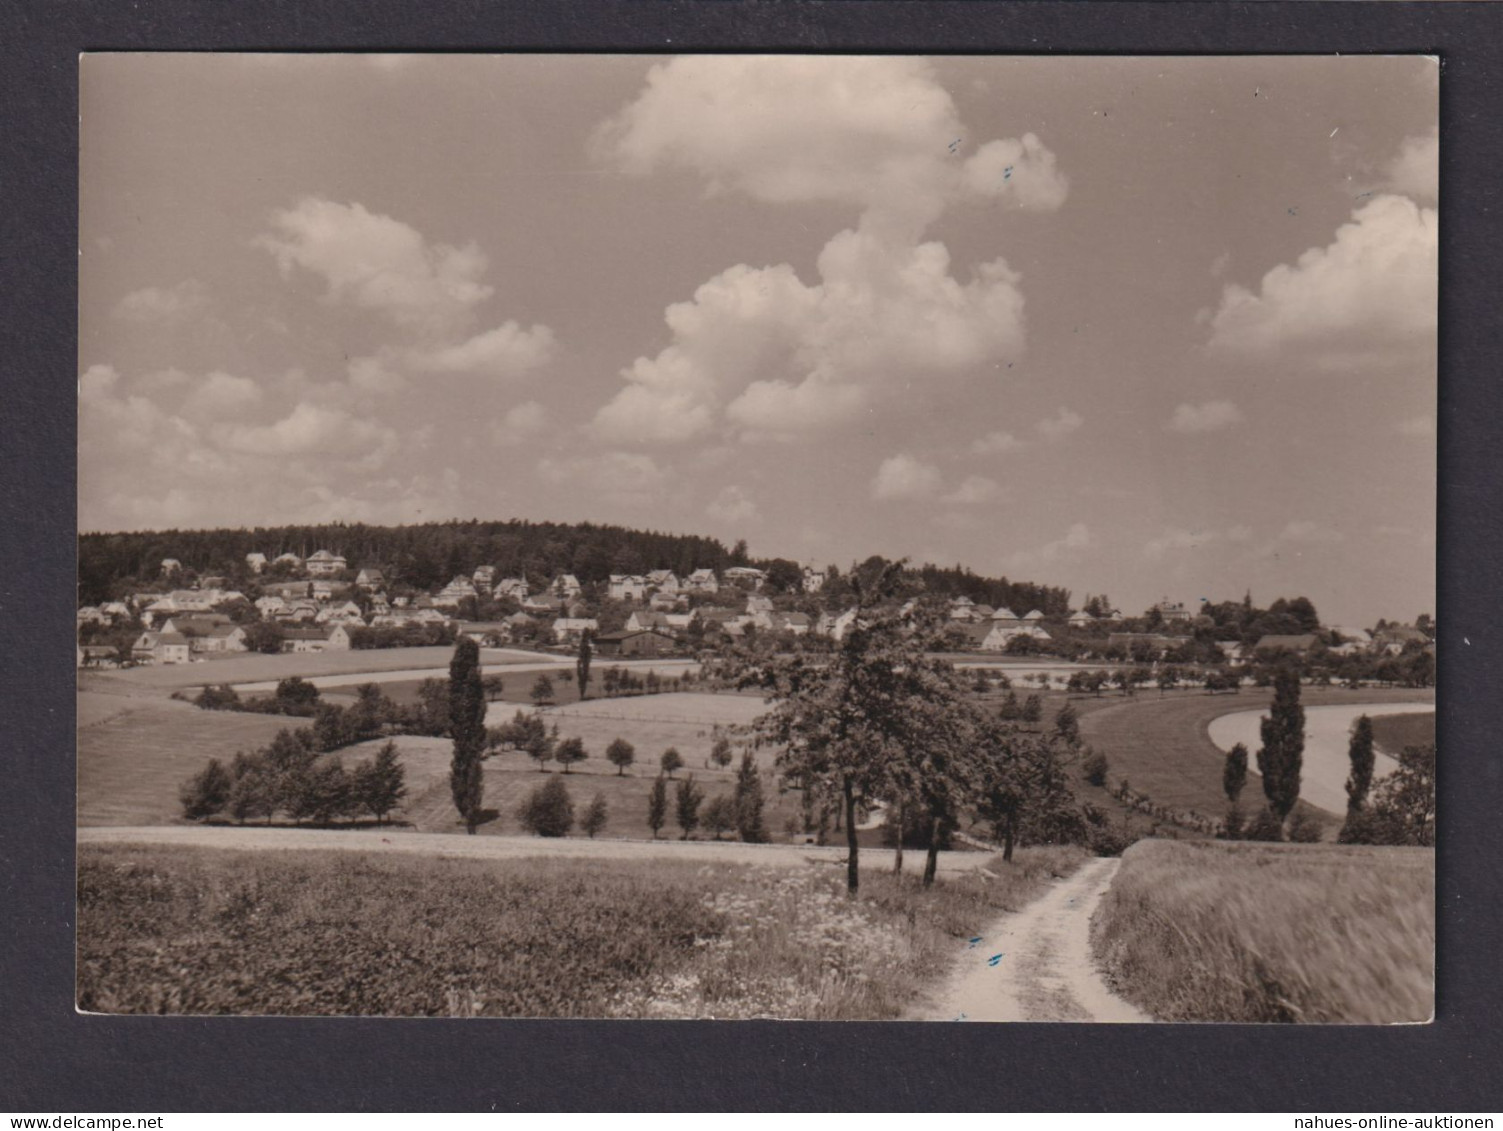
x=800, y=537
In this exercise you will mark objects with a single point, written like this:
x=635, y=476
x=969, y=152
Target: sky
x=1154, y=327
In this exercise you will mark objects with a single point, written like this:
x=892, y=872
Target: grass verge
x=229, y=932
x=1215, y=931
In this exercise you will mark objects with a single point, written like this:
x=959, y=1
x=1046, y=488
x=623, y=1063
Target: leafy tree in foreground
x=686, y=808
x=253, y=791
x=1282, y=753
x=467, y=726
x=206, y=792
x=671, y=760
x=657, y=805
x=595, y=816
x=620, y=754
x=1095, y=767
x=548, y=810
x=1402, y=810
x=569, y=751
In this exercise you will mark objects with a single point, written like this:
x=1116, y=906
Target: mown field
x=1217, y=931
x=136, y=751
x=1159, y=743
x=164, y=930
x=1391, y=733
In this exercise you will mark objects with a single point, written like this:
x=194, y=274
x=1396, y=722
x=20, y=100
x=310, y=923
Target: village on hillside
x=287, y=604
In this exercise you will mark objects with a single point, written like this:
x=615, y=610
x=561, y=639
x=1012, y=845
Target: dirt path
x=1036, y=964
x=505, y=847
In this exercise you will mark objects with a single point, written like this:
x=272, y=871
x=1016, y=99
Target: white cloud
x=997, y=443
x=376, y=375
x=1220, y=264
x=733, y=506
x=221, y=394
x=777, y=355
x=870, y=131
x=1366, y=299
x=506, y=351
x=1212, y=416
x=520, y=423
x=902, y=477
x=309, y=429
x=1421, y=426
x=379, y=263
x=975, y=490
x=1060, y=425
x=1415, y=170
x=163, y=305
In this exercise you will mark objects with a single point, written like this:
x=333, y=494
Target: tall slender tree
x=1282, y=754
x=582, y=662
x=747, y=802
x=1360, y=753
x=467, y=726
x=1234, y=772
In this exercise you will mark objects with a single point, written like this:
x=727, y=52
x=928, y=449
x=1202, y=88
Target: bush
x=206, y=792
x=720, y=815
x=1095, y=767
x=548, y=810
x=1304, y=829
x=1265, y=825
x=221, y=698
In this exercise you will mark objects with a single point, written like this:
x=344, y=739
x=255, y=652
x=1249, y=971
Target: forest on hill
x=427, y=555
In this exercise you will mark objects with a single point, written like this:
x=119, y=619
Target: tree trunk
x=897, y=858
x=931, y=861
x=1009, y=832
x=852, y=875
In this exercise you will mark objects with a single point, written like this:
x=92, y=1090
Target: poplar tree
x=1282, y=753
x=467, y=725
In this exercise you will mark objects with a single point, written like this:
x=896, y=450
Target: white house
x=161, y=648
x=1081, y=619
x=627, y=587
x=703, y=581
x=325, y=564
x=814, y=578
x=568, y=629
x=565, y=585
x=746, y=575
x=664, y=581
x=836, y=626
x=370, y=578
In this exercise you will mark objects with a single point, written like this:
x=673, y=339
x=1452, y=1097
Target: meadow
x=1160, y=744
x=1391, y=733
x=1236, y=931
x=219, y=931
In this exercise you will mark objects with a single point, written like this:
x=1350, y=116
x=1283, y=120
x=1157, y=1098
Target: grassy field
x=136, y=752
x=1160, y=744
x=1391, y=733
x=1216, y=931
x=224, y=932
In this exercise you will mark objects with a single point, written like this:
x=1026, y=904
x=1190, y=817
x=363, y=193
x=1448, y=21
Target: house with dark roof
x=650, y=642
x=1301, y=643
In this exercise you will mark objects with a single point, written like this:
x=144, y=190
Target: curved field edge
x=1217, y=931
x=1162, y=745
x=220, y=931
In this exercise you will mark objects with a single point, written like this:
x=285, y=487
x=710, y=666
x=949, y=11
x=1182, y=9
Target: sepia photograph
x=787, y=536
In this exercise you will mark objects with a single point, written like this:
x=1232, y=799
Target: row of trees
x=741, y=810
x=288, y=777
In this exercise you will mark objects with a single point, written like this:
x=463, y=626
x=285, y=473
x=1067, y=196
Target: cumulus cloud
x=1060, y=425
x=506, y=351
x=1415, y=170
x=997, y=443
x=1368, y=298
x=904, y=478
x=163, y=305
x=309, y=429
x=733, y=506
x=221, y=394
x=759, y=349
x=1212, y=416
x=379, y=263
x=520, y=423
x=975, y=490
